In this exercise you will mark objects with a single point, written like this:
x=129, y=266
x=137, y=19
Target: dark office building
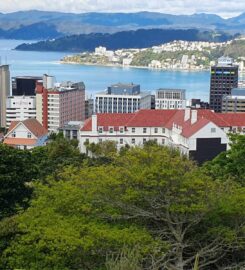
x=24, y=86
x=224, y=77
x=198, y=104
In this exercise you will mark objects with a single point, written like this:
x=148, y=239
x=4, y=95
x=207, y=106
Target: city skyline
x=222, y=8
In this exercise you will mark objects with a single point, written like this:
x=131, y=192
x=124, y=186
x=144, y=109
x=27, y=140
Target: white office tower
x=122, y=98
x=20, y=108
x=4, y=92
x=170, y=99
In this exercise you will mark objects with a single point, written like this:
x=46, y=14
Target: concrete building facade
x=57, y=104
x=122, y=98
x=19, y=108
x=170, y=99
x=235, y=102
x=4, y=92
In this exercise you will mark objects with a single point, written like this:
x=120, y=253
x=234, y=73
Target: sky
x=224, y=8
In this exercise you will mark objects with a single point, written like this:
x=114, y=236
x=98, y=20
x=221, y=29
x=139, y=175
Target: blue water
x=98, y=78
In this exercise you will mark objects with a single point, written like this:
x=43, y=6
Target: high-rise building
x=24, y=85
x=59, y=103
x=170, y=99
x=122, y=98
x=20, y=108
x=4, y=92
x=224, y=77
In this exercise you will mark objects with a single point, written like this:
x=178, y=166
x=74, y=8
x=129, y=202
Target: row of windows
x=133, y=141
x=122, y=129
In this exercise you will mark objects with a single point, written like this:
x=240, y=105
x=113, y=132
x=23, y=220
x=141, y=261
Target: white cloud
x=227, y=8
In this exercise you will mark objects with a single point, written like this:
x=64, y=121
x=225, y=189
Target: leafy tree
x=229, y=164
x=152, y=198
x=61, y=231
x=101, y=153
x=166, y=193
x=16, y=170
x=59, y=153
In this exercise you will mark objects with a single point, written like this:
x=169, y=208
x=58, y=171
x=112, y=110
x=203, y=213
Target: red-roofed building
x=26, y=134
x=200, y=134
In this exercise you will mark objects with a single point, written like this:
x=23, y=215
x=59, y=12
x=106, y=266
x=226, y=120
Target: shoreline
x=136, y=67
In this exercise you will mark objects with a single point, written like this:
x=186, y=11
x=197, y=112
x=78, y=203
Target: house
x=26, y=134
x=199, y=134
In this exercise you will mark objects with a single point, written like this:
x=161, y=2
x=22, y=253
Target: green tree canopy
x=152, y=198
x=59, y=153
x=16, y=170
x=229, y=164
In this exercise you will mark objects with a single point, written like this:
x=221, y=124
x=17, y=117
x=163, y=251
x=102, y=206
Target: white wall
x=205, y=132
x=21, y=132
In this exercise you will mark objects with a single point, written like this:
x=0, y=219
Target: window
x=144, y=140
x=100, y=129
x=213, y=130
x=111, y=129
x=133, y=130
x=121, y=129
x=29, y=135
x=144, y=130
x=163, y=130
x=121, y=141
x=13, y=134
x=133, y=141
x=163, y=141
x=156, y=130
x=100, y=140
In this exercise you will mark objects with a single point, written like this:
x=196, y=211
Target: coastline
x=136, y=67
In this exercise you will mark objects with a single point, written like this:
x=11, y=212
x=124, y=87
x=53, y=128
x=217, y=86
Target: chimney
x=193, y=116
x=187, y=114
x=94, y=123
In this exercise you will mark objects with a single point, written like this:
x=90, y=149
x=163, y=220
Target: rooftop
x=124, y=85
x=167, y=119
x=31, y=124
x=28, y=77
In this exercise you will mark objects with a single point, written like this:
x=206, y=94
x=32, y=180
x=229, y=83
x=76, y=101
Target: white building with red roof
x=26, y=134
x=201, y=134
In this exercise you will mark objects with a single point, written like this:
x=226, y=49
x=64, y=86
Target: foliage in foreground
x=93, y=217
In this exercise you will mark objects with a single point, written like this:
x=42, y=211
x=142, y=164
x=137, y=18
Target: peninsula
x=176, y=55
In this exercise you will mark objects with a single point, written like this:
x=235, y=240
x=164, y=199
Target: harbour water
x=97, y=78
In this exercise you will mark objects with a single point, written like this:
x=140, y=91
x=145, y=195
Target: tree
x=167, y=194
x=102, y=152
x=16, y=170
x=229, y=164
x=59, y=153
x=152, y=198
x=61, y=231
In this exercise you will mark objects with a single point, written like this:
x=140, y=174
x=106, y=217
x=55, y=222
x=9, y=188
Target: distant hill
x=127, y=39
x=34, y=31
x=47, y=25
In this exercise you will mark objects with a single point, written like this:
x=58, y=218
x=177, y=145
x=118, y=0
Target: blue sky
x=225, y=8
